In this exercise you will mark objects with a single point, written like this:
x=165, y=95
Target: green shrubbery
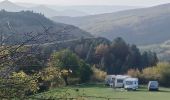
x=98, y=75
x=160, y=72
x=85, y=72
x=74, y=67
x=50, y=77
x=18, y=85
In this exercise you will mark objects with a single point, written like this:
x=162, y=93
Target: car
x=153, y=86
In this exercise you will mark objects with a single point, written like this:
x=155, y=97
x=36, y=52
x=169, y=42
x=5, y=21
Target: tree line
x=115, y=57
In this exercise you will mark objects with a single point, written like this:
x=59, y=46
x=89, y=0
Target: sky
x=96, y=2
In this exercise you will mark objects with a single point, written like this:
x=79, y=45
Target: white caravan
x=119, y=81
x=110, y=80
x=131, y=83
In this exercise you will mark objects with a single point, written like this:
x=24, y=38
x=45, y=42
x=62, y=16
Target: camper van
x=153, y=86
x=131, y=83
x=119, y=80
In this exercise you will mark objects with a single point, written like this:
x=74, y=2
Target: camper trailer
x=119, y=80
x=110, y=80
x=131, y=83
x=116, y=81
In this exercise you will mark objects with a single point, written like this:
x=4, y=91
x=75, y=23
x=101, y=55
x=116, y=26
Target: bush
x=160, y=72
x=165, y=74
x=50, y=77
x=134, y=73
x=85, y=72
x=98, y=75
x=148, y=74
x=72, y=64
x=18, y=86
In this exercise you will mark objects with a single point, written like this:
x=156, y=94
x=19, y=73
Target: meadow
x=101, y=92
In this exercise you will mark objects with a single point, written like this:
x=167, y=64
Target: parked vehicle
x=119, y=81
x=110, y=80
x=131, y=83
x=116, y=81
x=153, y=86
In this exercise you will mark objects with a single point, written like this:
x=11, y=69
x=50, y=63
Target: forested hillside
x=16, y=27
x=162, y=50
x=140, y=26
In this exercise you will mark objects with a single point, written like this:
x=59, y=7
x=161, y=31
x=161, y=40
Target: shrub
x=98, y=75
x=19, y=85
x=68, y=61
x=85, y=72
x=160, y=72
x=164, y=74
x=134, y=73
x=50, y=77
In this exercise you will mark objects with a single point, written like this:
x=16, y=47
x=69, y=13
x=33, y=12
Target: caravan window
x=119, y=81
x=129, y=82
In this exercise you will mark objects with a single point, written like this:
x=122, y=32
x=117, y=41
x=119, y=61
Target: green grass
x=101, y=91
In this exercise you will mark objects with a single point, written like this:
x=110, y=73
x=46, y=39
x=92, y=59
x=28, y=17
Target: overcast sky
x=96, y=2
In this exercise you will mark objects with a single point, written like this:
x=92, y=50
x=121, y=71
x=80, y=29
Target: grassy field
x=100, y=92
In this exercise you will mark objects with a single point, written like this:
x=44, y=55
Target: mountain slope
x=19, y=26
x=162, y=50
x=140, y=26
x=53, y=10
x=71, y=13
x=44, y=10
x=49, y=12
x=12, y=7
x=9, y=6
x=95, y=9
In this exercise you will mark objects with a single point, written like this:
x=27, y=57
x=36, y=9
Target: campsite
x=115, y=87
x=101, y=92
x=84, y=49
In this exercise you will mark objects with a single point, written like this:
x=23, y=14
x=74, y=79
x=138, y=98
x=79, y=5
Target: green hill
x=139, y=26
x=16, y=27
x=162, y=50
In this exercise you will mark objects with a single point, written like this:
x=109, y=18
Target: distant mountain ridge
x=96, y=9
x=57, y=10
x=19, y=26
x=9, y=6
x=139, y=26
x=49, y=12
x=44, y=10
